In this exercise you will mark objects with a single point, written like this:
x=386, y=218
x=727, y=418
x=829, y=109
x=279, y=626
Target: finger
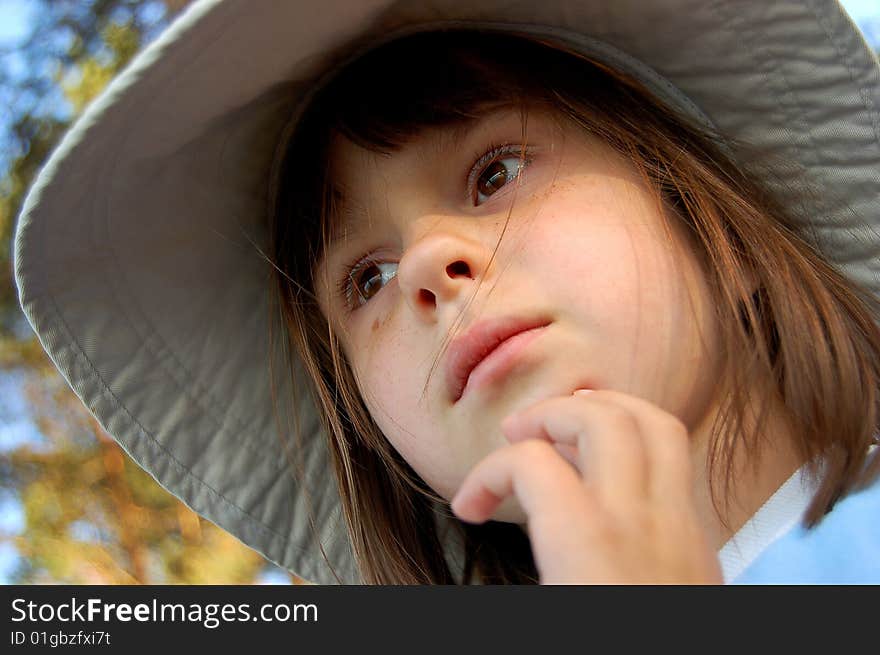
x=543, y=483
x=611, y=456
x=569, y=454
x=667, y=445
x=569, y=451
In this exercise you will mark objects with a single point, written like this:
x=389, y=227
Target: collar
x=775, y=517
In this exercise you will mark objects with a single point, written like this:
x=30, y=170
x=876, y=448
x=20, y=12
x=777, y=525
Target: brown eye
x=369, y=278
x=495, y=176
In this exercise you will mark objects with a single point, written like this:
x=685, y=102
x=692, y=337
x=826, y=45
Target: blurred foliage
x=91, y=515
x=123, y=41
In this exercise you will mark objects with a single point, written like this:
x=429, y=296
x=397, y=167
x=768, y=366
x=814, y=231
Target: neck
x=755, y=473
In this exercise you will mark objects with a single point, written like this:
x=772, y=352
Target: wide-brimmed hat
x=138, y=251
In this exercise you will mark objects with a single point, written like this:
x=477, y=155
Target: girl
x=558, y=323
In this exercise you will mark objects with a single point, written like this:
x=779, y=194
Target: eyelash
x=345, y=286
x=495, y=153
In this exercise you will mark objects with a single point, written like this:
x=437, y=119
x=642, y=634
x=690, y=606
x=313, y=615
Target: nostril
x=459, y=268
x=428, y=297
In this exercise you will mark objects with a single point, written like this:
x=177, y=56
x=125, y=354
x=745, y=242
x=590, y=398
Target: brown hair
x=788, y=320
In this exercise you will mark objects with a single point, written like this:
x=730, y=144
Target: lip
x=481, y=340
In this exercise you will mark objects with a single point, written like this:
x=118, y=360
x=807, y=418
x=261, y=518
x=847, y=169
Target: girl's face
x=589, y=258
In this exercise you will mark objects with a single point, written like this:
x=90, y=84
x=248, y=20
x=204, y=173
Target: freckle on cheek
x=376, y=324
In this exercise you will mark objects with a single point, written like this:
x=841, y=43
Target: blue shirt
x=843, y=549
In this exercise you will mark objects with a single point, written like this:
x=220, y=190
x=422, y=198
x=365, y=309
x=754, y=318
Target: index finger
x=542, y=481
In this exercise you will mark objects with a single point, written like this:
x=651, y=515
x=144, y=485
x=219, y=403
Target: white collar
x=775, y=517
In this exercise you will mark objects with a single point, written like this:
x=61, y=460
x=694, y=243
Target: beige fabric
x=138, y=250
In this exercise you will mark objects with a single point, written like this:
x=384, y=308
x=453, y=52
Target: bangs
x=391, y=95
x=388, y=96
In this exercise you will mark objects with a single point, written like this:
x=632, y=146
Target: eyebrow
x=348, y=222
x=345, y=221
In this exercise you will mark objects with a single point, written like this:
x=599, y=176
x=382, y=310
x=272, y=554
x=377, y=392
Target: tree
x=91, y=514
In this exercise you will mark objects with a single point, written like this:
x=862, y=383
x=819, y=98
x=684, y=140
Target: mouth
x=491, y=345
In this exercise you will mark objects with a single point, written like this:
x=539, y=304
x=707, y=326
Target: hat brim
x=138, y=252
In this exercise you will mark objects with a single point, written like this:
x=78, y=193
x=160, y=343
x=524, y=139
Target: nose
x=440, y=269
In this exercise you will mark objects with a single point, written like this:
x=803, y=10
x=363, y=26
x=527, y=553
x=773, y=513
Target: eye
x=365, y=279
x=495, y=170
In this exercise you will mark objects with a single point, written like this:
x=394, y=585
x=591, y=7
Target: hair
x=788, y=321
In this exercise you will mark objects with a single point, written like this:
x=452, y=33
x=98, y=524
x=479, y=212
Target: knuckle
x=675, y=427
x=536, y=449
x=619, y=416
x=677, y=438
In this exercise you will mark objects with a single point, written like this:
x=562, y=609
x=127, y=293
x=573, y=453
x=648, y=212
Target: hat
x=137, y=253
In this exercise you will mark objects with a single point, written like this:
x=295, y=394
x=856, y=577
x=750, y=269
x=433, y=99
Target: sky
x=866, y=14
x=15, y=16
x=861, y=9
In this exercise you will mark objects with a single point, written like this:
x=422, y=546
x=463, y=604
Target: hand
x=622, y=514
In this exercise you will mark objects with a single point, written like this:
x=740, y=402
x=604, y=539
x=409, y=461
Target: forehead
x=354, y=166
x=359, y=175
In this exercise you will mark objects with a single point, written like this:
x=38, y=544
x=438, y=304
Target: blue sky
x=14, y=18
x=866, y=14
x=861, y=9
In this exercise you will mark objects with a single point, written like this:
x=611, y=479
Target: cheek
x=630, y=288
x=377, y=363
x=390, y=383
x=391, y=374
x=589, y=260
x=605, y=243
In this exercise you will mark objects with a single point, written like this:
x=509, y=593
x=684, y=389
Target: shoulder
x=843, y=549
